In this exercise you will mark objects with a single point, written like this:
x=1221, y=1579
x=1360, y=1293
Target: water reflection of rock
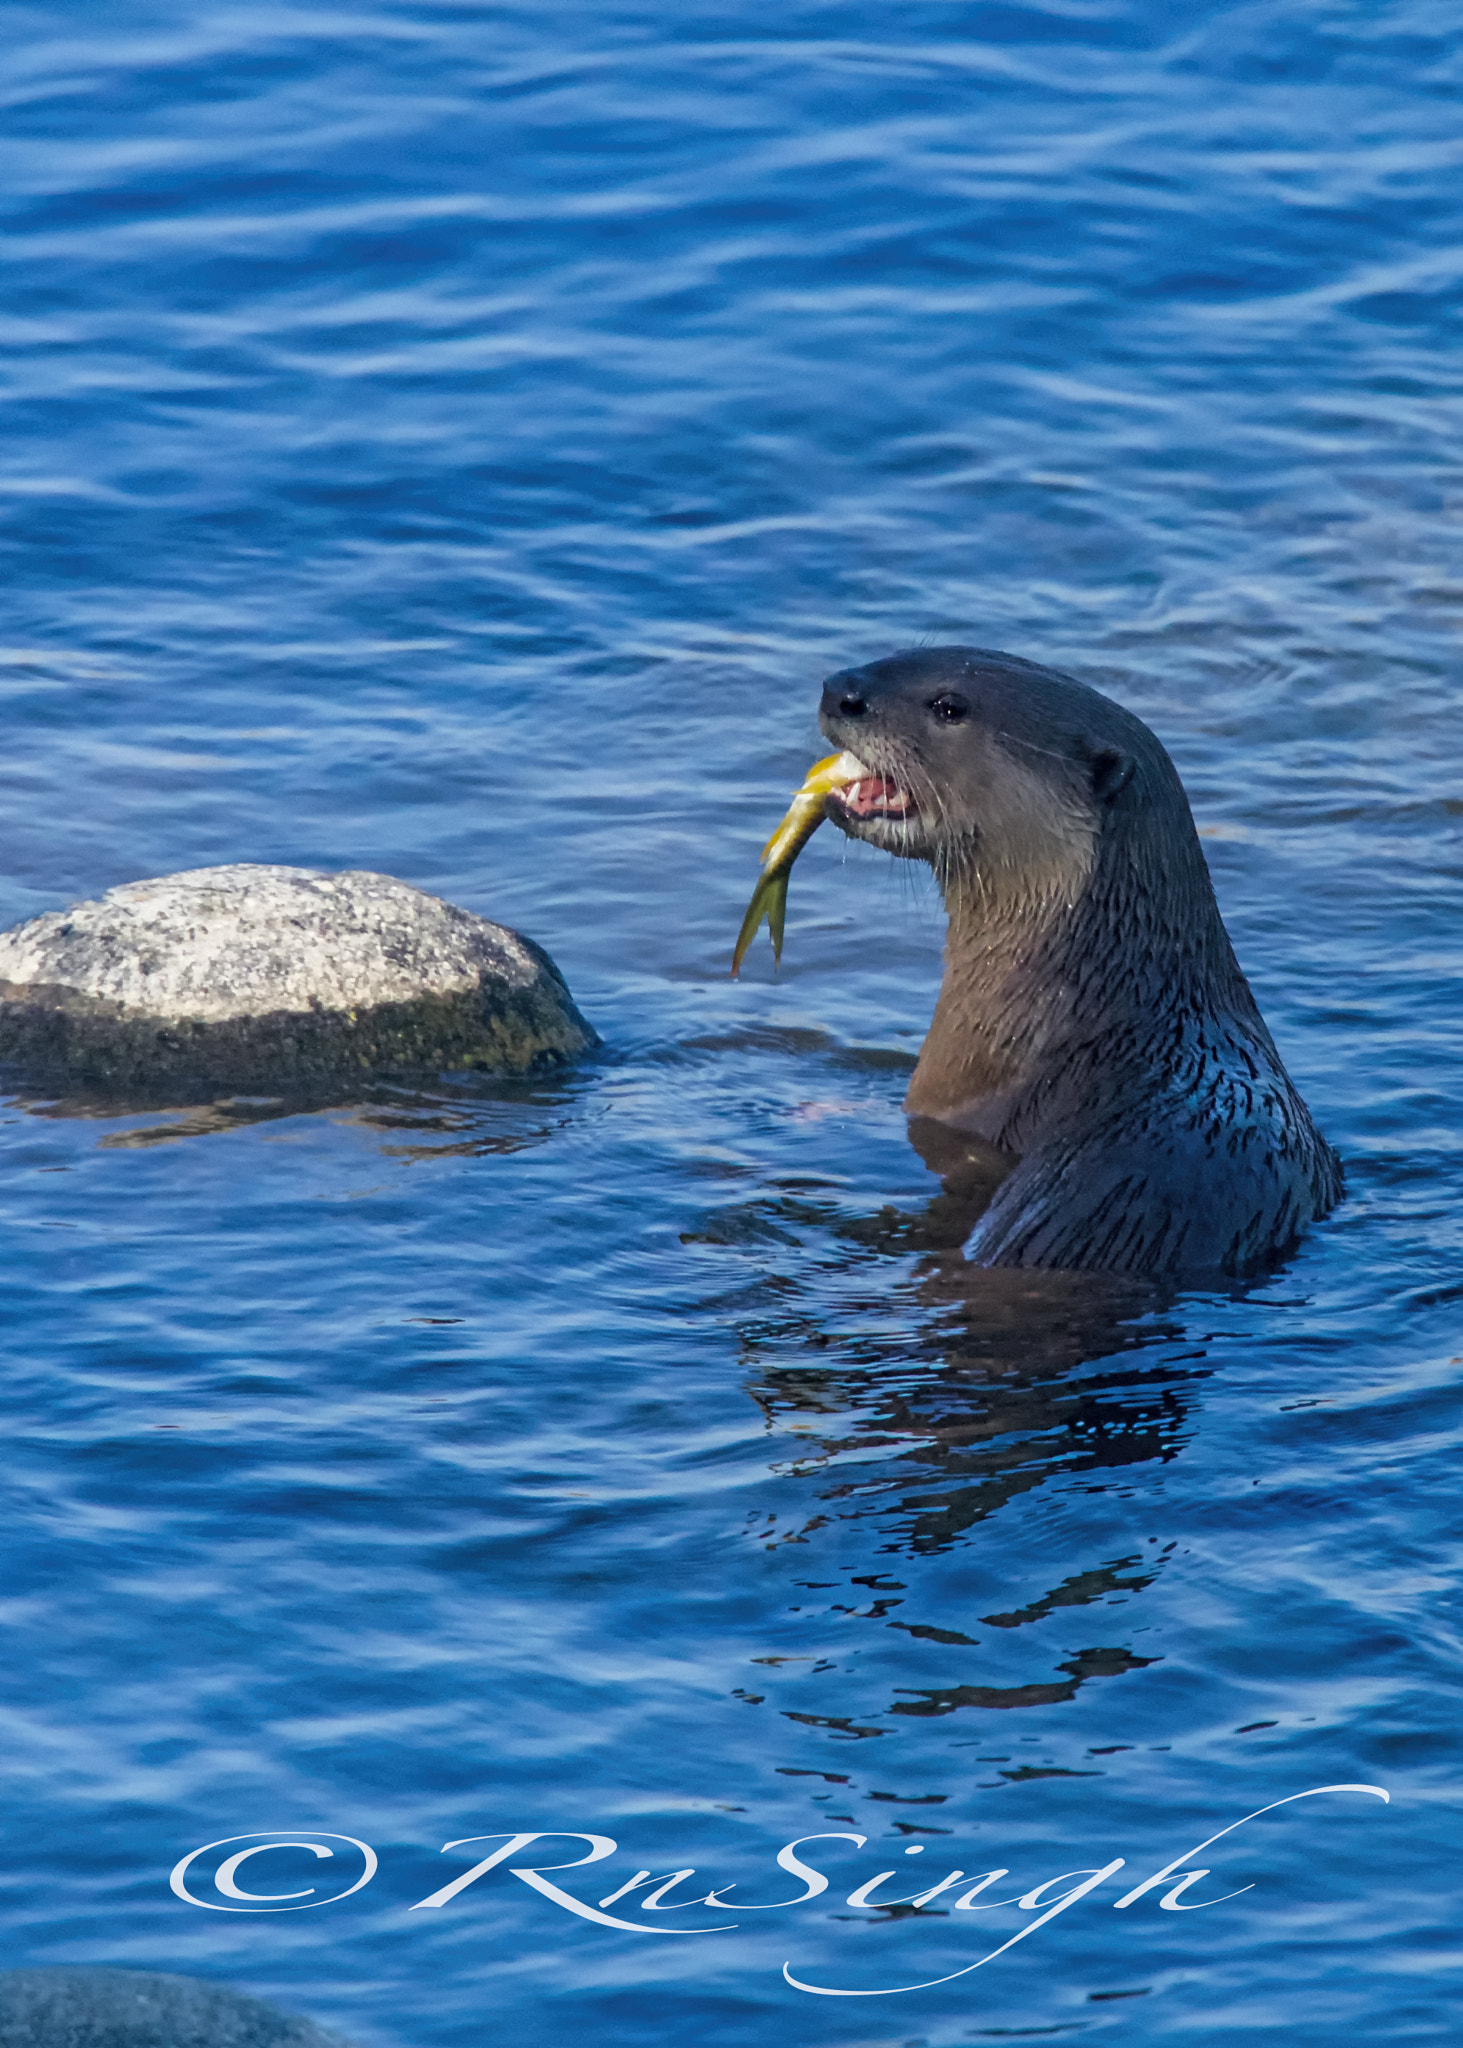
x=468, y=1119
x=978, y=1387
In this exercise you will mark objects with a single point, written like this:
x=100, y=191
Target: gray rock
x=86, y=2008
x=273, y=977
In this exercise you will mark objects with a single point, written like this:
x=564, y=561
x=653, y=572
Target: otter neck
x=1050, y=1001
x=991, y=1035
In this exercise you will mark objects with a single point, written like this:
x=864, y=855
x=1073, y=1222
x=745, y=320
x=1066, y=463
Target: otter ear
x=1111, y=770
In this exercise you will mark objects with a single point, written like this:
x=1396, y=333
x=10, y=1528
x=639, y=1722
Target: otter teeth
x=876, y=795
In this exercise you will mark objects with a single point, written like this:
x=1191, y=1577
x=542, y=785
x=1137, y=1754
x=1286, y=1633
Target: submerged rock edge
x=80, y=2007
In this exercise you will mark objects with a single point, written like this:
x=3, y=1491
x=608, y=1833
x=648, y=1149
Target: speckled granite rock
x=85, y=2008
x=274, y=977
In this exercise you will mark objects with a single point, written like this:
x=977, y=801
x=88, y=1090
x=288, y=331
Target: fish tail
x=777, y=912
x=769, y=900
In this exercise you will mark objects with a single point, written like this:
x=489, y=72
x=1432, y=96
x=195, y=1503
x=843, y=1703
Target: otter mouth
x=873, y=797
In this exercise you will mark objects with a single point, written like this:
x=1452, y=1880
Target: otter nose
x=843, y=700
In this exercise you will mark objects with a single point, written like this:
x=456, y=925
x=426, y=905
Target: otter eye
x=949, y=707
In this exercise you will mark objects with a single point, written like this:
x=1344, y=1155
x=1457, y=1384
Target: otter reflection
x=1016, y=1380
x=999, y=1382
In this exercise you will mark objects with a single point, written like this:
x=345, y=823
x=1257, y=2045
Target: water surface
x=456, y=441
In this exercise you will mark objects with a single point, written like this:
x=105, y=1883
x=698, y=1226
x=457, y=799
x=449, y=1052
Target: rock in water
x=273, y=977
x=87, y=2008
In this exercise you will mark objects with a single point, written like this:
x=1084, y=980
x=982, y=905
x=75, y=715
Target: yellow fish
x=805, y=815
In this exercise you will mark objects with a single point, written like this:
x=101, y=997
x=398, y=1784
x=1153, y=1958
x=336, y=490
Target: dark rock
x=277, y=978
x=95, y=2008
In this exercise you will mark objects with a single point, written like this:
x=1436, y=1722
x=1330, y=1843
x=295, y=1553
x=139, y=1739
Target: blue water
x=456, y=440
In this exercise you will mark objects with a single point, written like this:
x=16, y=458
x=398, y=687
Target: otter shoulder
x=1213, y=1196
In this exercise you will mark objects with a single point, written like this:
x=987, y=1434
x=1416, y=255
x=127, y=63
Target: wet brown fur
x=1094, y=1031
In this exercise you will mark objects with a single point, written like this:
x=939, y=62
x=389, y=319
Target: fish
x=804, y=816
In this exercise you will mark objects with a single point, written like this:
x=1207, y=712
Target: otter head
x=1002, y=775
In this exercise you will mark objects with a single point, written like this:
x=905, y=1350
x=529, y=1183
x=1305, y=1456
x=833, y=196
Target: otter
x=1097, y=1065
